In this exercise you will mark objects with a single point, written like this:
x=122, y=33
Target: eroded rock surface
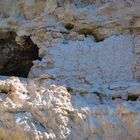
x=87, y=84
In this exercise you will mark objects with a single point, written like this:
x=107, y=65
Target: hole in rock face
x=15, y=59
x=69, y=26
x=97, y=37
x=132, y=98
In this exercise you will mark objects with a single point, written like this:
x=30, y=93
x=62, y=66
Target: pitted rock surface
x=84, y=83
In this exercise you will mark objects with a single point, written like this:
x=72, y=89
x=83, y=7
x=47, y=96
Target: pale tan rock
x=51, y=5
x=14, y=89
x=86, y=84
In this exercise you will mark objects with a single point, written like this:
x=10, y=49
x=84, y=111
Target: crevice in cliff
x=69, y=26
x=133, y=97
x=103, y=98
x=17, y=55
x=98, y=37
x=87, y=32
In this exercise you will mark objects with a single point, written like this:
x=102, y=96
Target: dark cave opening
x=16, y=59
x=69, y=26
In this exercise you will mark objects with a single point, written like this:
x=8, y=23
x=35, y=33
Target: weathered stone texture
x=86, y=86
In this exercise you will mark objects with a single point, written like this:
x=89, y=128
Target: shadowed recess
x=16, y=59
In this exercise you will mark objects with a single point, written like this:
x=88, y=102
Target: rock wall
x=86, y=86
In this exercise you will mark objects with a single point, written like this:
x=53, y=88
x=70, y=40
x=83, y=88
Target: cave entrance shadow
x=16, y=59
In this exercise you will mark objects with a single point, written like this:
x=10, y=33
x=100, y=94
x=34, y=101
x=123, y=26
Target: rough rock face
x=86, y=86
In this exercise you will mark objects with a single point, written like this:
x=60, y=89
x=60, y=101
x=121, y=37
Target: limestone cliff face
x=85, y=82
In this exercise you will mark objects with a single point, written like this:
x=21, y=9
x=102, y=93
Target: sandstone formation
x=70, y=69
